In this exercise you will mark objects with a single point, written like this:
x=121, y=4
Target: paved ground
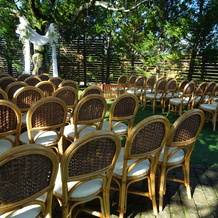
x=204, y=204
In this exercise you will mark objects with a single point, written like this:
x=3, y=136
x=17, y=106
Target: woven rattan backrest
x=161, y=85
x=47, y=87
x=210, y=88
x=13, y=87
x=189, y=89
x=68, y=94
x=150, y=82
x=44, y=76
x=186, y=128
x=32, y=80
x=23, y=76
x=122, y=79
x=4, y=75
x=70, y=83
x=91, y=155
x=91, y=90
x=5, y=81
x=56, y=81
x=3, y=95
x=201, y=88
x=171, y=85
x=182, y=84
x=132, y=79
x=140, y=82
x=27, y=172
x=90, y=109
x=147, y=137
x=27, y=96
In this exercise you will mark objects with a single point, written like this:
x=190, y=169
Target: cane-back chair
x=122, y=114
x=181, y=87
x=150, y=83
x=13, y=87
x=131, y=82
x=139, y=159
x=45, y=123
x=27, y=179
x=86, y=171
x=178, y=149
x=5, y=81
x=32, y=80
x=56, y=80
x=3, y=95
x=10, y=125
x=121, y=86
x=209, y=91
x=88, y=116
x=70, y=83
x=23, y=76
x=184, y=101
x=47, y=87
x=91, y=90
x=44, y=76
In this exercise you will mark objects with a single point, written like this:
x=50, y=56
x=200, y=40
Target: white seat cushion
x=6, y=144
x=138, y=170
x=45, y=138
x=69, y=130
x=178, y=101
x=86, y=189
x=209, y=106
x=119, y=129
x=178, y=156
x=152, y=95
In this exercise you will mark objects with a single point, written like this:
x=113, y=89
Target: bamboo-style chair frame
x=44, y=76
x=47, y=87
x=3, y=95
x=91, y=90
x=13, y=87
x=183, y=135
x=121, y=86
x=89, y=159
x=56, y=80
x=139, y=159
x=10, y=119
x=27, y=178
x=32, y=80
x=5, y=81
x=23, y=76
x=70, y=83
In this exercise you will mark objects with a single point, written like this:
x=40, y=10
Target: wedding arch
x=27, y=35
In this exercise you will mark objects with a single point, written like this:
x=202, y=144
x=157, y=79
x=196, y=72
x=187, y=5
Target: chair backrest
x=32, y=80
x=140, y=82
x=89, y=157
x=171, y=85
x=160, y=86
x=47, y=114
x=123, y=109
x=13, y=87
x=210, y=88
x=44, y=76
x=70, y=83
x=185, y=130
x=122, y=79
x=10, y=121
x=68, y=94
x=146, y=141
x=23, y=76
x=201, y=88
x=91, y=90
x=182, y=84
x=26, y=96
x=56, y=81
x=27, y=172
x=132, y=80
x=5, y=81
x=89, y=111
x=47, y=87
x=188, y=90
x=150, y=82
x=3, y=95
x=4, y=75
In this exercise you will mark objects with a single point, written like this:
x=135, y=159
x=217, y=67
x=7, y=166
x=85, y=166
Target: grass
x=206, y=147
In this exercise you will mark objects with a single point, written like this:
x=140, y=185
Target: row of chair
x=90, y=164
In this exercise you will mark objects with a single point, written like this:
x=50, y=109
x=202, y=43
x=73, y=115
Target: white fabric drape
x=27, y=34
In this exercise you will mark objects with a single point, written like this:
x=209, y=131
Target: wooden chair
x=23, y=76
x=5, y=81
x=25, y=97
x=44, y=76
x=177, y=152
x=121, y=86
x=70, y=83
x=150, y=84
x=47, y=87
x=32, y=80
x=88, y=117
x=70, y=96
x=180, y=103
x=91, y=90
x=181, y=87
x=86, y=171
x=45, y=123
x=138, y=160
x=13, y=87
x=3, y=95
x=10, y=125
x=131, y=82
x=56, y=81
x=122, y=114
x=157, y=96
x=208, y=92
x=5, y=75
x=27, y=179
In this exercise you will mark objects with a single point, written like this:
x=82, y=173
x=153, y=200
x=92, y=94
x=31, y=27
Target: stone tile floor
x=204, y=204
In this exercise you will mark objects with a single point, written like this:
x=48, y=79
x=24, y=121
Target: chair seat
x=69, y=131
x=178, y=101
x=6, y=144
x=152, y=95
x=169, y=95
x=136, y=92
x=119, y=129
x=28, y=211
x=140, y=168
x=178, y=156
x=45, y=138
x=86, y=189
x=209, y=106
